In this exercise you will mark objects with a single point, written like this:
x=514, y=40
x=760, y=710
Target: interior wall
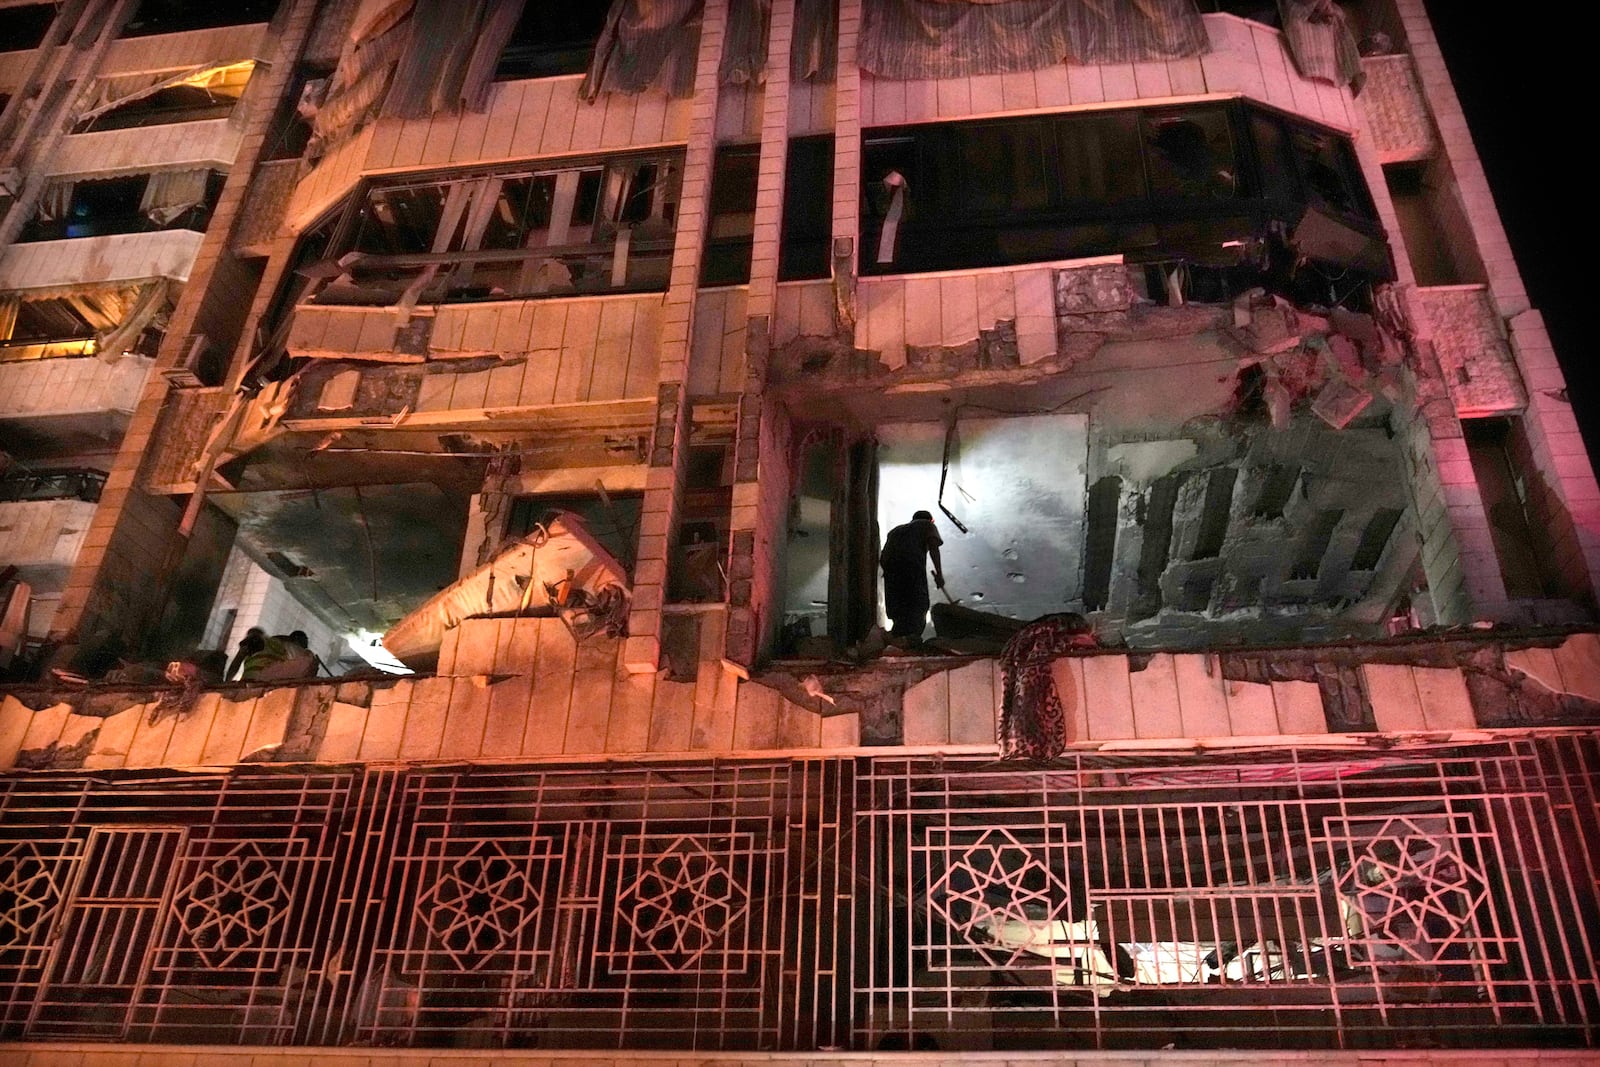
x=806, y=558
x=1019, y=485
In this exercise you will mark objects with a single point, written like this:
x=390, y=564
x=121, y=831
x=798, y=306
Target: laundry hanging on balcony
x=915, y=39
x=646, y=44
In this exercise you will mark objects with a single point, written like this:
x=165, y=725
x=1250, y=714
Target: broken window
x=178, y=16
x=162, y=98
x=1195, y=185
x=807, y=209
x=552, y=37
x=24, y=27
x=166, y=200
x=731, y=229
x=580, y=227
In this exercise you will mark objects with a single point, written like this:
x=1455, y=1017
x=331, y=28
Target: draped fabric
x=170, y=193
x=55, y=201
x=814, y=52
x=411, y=59
x=1134, y=31
x=915, y=39
x=744, y=45
x=646, y=44
x=451, y=53
x=154, y=301
x=9, y=303
x=1321, y=42
x=1033, y=723
x=358, y=85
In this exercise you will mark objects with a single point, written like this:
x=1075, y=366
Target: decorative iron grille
x=1301, y=898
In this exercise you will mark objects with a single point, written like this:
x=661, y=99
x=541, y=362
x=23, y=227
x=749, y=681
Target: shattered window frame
x=1150, y=208
x=611, y=228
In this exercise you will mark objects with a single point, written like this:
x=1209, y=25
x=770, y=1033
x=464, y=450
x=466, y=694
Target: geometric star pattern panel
x=1444, y=894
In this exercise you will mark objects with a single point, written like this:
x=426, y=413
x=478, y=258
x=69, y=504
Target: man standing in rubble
x=904, y=559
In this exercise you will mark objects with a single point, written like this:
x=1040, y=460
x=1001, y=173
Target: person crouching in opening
x=904, y=560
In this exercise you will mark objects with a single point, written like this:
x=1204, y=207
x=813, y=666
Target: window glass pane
x=733, y=215
x=1099, y=159
x=1278, y=174
x=1003, y=168
x=1327, y=170
x=807, y=209
x=522, y=211
x=733, y=190
x=397, y=221
x=1190, y=154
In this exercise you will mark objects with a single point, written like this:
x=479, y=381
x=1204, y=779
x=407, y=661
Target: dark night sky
x=1518, y=79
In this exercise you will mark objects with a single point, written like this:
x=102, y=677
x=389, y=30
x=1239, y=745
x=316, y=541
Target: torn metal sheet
x=559, y=568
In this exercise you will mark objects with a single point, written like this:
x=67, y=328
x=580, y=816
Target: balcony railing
x=1302, y=898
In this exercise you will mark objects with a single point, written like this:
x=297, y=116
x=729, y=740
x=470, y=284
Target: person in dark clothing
x=904, y=560
x=254, y=640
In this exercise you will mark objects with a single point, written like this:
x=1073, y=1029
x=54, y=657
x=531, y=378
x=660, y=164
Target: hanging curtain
x=1321, y=42
x=55, y=201
x=1134, y=31
x=153, y=302
x=356, y=88
x=916, y=39
x=744, y=45
x=170, y=193
x=452, y=49
x=646, y=44
x=814, y=52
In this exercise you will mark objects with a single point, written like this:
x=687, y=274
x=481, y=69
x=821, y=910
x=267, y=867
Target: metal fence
x=1441, y=896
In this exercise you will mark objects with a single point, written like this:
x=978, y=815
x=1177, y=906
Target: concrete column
x=1556, y=448
x=669, y=449
x=112, y=591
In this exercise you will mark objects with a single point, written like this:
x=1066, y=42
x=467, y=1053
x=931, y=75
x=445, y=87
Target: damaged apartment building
x=446, y=449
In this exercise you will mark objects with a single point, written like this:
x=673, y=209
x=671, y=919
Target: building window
x=188, y=96
x=552, y=37
x=179, y=16
x=575, y=227
x=731, y=229
x=807, y=209
x=1192, y=183
x=167, y=200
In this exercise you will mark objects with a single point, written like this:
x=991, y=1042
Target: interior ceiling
x=358, y=557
